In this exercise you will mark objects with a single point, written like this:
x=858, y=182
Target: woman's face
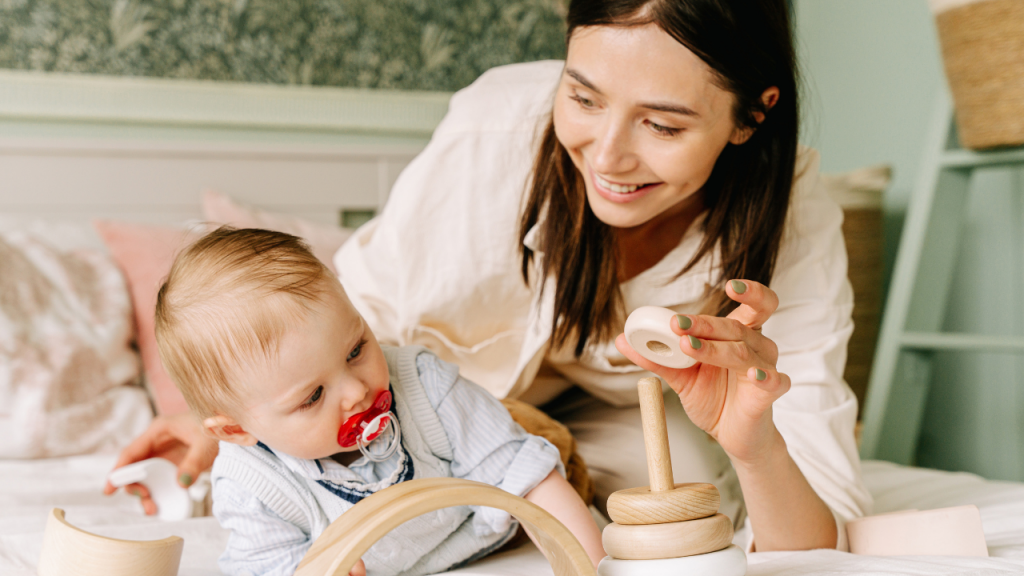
x=643, y=121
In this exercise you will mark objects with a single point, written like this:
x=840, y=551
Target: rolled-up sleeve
x=261, y=542
x=487, y=445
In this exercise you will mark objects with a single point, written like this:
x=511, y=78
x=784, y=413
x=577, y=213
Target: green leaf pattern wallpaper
x=396, y=44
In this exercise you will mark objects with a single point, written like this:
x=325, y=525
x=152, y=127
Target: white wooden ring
x=729, y=561
x=672, y=540
x=649, y=333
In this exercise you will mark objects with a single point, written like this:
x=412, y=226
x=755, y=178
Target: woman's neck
x=643, y=246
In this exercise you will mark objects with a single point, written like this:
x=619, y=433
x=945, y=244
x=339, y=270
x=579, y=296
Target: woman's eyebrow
x=659, y=106
x=672, y=108
x=581, y=79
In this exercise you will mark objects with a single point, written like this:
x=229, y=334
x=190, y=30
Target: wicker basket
x=983, y=51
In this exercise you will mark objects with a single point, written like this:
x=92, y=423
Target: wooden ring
x=674, y=540
x=684, y=502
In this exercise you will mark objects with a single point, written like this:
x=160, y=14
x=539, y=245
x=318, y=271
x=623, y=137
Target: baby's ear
x=225, y=428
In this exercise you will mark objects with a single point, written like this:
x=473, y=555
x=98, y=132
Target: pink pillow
x=323, y=240
x=145, y=254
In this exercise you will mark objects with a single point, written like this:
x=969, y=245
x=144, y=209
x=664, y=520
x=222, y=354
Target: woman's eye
x=664, y=130
x=313, y=399
x=356, y=351
x=584, y=102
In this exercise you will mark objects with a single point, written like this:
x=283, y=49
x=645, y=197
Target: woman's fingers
x=737, y=356
x=199, y=457
x=757, y=302
x=148, y=504
x=143, y=447
x=726, y=330
x=774, y=383
x=359, y=569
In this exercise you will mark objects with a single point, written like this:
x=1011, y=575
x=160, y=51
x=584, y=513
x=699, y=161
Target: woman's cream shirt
x=441, y=267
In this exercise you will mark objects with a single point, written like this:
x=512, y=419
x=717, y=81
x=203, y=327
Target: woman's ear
x=768, y=99
x=227, y=429
x=743, y=133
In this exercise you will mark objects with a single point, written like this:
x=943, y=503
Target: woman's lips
x=353, y=427
x=621, y=197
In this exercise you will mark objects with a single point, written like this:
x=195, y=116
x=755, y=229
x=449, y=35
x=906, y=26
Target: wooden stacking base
x=69, y=550
x=679, y=504
x=730, y=561
x=671, y=540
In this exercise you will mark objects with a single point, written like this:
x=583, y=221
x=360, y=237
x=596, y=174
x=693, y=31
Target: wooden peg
x=652, y=413
x=663, y=501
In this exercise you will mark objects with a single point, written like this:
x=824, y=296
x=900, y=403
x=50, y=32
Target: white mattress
x=28, y=489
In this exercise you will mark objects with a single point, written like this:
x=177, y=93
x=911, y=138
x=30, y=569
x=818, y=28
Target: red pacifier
x=363, y=428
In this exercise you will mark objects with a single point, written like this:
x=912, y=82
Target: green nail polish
x=185, y=480
x=760, y=374
x=684, y=322
x=694, y=343
x=738, y=287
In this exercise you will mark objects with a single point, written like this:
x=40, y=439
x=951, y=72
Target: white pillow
x=67, y=368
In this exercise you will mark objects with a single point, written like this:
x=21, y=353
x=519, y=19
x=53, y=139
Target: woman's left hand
x=730, y=391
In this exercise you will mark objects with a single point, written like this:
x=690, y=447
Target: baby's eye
x=356, y=351
x=313, y=399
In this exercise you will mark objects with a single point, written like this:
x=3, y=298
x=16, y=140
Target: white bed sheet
x=29, y=489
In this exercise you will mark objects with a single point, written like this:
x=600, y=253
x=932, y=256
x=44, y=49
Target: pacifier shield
x=356, y=425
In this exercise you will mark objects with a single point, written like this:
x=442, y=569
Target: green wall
x=872, y=70
x=399, y=44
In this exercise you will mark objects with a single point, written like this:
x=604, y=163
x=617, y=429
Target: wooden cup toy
x=667, y=528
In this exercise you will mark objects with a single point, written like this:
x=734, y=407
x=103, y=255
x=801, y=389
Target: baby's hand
x=358, y=570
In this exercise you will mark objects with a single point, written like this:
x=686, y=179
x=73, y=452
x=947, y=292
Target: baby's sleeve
x=487, y=445
x=261, y=542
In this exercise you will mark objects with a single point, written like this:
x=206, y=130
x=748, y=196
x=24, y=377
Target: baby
x=314, y=415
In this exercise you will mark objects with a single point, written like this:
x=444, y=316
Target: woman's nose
x=613, y=152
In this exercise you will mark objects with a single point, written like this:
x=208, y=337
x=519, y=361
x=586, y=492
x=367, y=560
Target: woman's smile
x=621, y=193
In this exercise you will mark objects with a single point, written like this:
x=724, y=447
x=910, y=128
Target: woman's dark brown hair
x=748, y=46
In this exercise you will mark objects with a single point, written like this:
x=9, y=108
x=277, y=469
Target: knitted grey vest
x=433, y=542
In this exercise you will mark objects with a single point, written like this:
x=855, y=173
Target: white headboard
x=76, y=147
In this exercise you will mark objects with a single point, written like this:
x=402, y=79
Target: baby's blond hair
x=228, y=299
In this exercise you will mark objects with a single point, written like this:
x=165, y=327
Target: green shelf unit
x=911, y=331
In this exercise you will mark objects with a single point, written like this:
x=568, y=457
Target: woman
x=664, y=172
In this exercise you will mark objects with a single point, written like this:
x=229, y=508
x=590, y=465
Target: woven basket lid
x=940, y=6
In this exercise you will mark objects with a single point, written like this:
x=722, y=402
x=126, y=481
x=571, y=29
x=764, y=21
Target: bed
x=141, y=153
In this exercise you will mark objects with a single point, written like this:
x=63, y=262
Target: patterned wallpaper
x=399, y=44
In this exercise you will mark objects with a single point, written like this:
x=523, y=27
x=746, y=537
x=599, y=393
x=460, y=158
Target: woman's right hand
x=180, y=439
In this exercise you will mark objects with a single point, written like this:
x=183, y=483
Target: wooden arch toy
x=344, y=542
x=69, y=550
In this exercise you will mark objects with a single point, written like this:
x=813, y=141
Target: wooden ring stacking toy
x=649, y=333
x=669, y=528
x=644, y=505
x=671, y=540
x=70, y=550
x=345, y=541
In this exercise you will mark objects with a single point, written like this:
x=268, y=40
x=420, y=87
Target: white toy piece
x=729, y=561
x=160, y=477
x=648, y=331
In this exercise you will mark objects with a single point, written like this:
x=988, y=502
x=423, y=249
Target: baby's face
x=328, y=368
